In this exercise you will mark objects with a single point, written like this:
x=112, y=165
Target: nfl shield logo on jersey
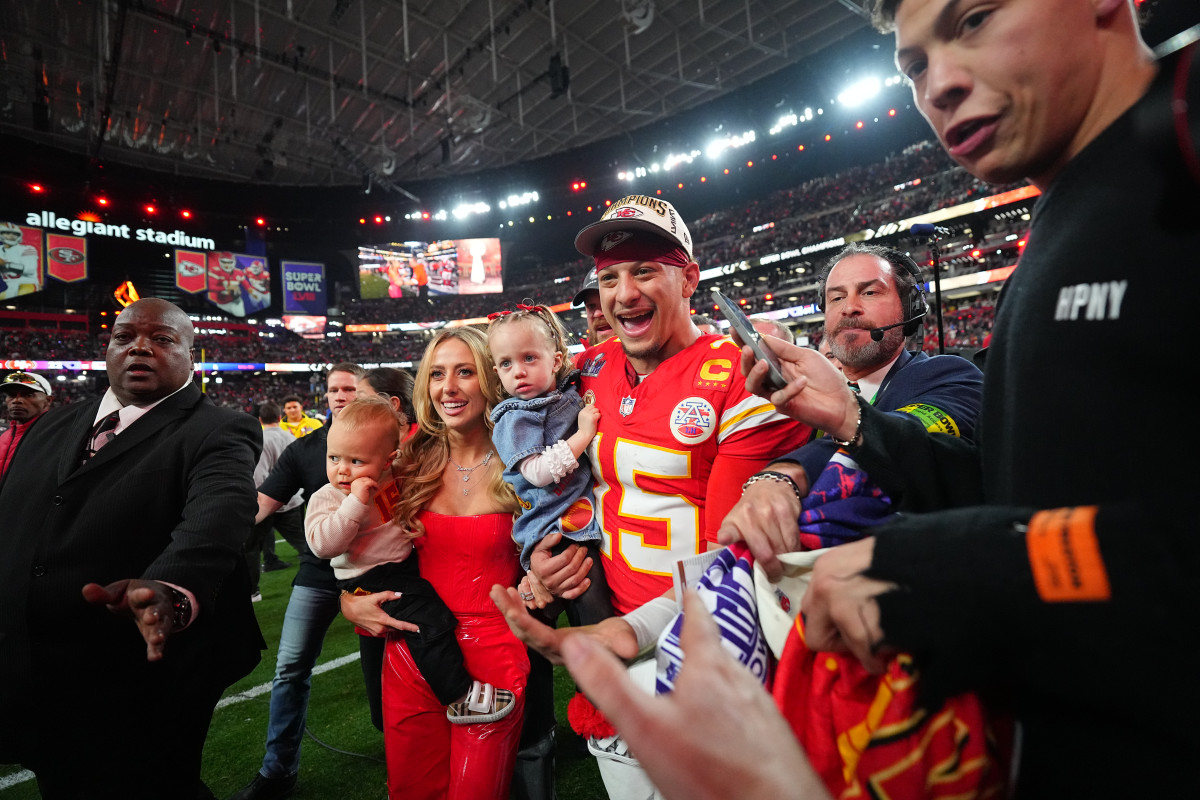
x=693, y=420
x=626, y=406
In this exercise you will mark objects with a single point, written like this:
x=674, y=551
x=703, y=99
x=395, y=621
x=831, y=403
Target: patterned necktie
x=854, y=387
x=102, y=434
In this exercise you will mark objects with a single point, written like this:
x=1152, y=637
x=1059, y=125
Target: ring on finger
x=526, y=596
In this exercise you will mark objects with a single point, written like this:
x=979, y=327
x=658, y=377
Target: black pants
x=261, y=542
x=434, y=649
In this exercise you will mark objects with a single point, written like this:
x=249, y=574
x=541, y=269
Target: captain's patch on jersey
x=715, y=374
x=693, y=420
x=934, y=419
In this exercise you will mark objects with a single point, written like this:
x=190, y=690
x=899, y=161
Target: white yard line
x=8, y=781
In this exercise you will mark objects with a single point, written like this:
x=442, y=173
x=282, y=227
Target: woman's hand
x=365, y=611
x=533, y=593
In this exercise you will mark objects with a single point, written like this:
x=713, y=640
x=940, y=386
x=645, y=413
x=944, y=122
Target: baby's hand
x=589, y=420
x=364, y=490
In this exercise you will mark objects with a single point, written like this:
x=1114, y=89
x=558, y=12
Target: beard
x=869, y=356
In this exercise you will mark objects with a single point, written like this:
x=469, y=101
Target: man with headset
x=872, y=304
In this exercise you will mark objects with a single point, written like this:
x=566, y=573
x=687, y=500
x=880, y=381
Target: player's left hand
x=148, y=602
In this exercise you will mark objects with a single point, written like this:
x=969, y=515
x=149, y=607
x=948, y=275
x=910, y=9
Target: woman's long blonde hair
x=423, y=457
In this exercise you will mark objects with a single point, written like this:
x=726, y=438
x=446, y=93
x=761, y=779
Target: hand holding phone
x=743, y=333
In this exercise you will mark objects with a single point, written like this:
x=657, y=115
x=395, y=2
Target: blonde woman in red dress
x=453, y=496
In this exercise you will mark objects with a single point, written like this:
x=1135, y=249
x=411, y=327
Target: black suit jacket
x=172, y=499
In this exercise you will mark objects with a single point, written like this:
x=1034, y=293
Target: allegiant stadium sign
x=83, y=227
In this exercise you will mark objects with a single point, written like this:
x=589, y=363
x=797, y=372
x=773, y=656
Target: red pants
x=427, y=756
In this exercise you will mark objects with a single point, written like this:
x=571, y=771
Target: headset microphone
x=877, y=333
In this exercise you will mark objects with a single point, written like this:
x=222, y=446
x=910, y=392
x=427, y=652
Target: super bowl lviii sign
x=304, y=288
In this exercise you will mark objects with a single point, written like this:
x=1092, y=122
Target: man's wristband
x=777, y=477
x=856, y=439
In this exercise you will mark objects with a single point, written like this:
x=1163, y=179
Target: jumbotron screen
x=443, y=267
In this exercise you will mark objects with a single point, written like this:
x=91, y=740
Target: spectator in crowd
x=124, y=523
x=672, y=400
x=454, y=498
x=826, y=350
x=394, y=385
x=598, y=328
x=704, y=323
x=1035, y=550
x=311, y=609
x=773, y=327
x=297, y=423
x=288, y=520
x=26, y=397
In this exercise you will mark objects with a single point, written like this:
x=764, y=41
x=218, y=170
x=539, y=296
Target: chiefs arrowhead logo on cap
x=613, y=239
x=627, y=213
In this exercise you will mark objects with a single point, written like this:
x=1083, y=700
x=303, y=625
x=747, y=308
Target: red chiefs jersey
x=258, y=282
x=224, y=283
x=655, y=449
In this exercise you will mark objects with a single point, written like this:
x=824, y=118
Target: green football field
x=343, y=753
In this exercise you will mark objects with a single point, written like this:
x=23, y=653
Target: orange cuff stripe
x=1065, y=556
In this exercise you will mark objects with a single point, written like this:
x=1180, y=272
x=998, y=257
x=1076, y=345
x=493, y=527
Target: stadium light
x=858, y=93
x=788, y=120
x=718, y=146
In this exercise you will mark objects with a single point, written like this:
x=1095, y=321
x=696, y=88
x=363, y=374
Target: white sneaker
x=254, y=598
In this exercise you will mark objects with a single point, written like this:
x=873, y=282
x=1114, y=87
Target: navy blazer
x=947, y=388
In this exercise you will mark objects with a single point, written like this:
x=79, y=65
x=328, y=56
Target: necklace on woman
x=469, y=470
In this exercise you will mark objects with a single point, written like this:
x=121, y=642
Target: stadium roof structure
x=335, y=92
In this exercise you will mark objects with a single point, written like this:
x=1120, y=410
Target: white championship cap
x=636, y=212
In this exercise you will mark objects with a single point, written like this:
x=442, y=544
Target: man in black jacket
x=124, y=599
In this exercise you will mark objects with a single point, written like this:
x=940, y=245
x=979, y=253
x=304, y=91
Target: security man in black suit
x=124, y=599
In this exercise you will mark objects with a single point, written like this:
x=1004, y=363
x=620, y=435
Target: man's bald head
x=150, y=352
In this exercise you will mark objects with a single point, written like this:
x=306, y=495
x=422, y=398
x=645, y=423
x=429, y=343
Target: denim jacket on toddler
x=527, y=427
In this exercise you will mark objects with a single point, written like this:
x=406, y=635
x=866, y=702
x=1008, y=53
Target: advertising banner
x=66, y=257
x=304, y=288
x=191, y=271
x=238, y=284
x=20, y=260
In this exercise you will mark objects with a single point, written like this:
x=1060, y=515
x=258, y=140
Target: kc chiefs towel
x=864, y=734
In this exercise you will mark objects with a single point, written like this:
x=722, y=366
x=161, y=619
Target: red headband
x=642, y=247
x=520, y=307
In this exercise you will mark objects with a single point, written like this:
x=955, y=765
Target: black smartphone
x=743, y=334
